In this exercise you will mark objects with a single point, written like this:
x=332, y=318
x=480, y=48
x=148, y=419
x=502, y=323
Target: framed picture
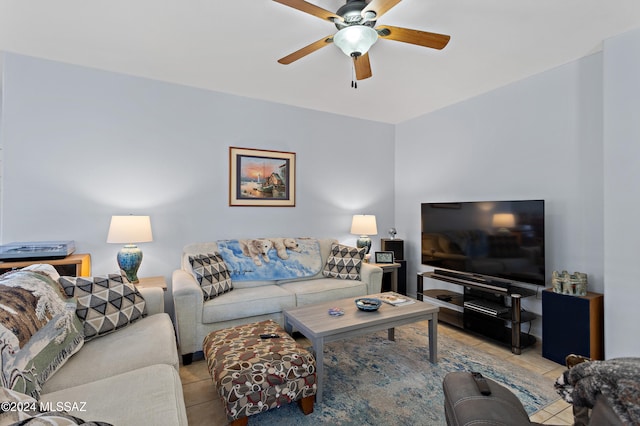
x=262, y=178
x=384, y=256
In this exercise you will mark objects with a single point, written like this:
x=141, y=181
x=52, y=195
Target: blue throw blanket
x=262, y=259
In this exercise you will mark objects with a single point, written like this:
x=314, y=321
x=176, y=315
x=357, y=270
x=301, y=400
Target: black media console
x=487, y=306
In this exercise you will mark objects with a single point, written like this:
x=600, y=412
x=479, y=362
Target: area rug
x=370, y=380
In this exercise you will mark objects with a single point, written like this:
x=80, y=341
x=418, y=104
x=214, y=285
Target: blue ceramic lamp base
x=364, y=241
x=129, y=259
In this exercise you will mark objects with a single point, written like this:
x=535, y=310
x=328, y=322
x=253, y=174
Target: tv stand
x=486, y=306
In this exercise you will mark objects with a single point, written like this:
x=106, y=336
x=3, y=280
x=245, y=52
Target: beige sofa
x=254, y=300
x=127, y=377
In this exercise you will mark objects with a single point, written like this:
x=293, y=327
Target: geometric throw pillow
x=105, y=304
x=211, y=273
x=39, y=330
x=344, y=262
x=57, y=418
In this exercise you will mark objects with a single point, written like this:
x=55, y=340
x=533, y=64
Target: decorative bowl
x=368, y=303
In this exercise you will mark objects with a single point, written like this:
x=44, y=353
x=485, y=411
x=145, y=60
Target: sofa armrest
x=188, y=303
x=372, y=275
x=153, y=298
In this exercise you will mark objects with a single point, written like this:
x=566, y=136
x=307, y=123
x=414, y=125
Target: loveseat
x=258, y=279
x=126, y=375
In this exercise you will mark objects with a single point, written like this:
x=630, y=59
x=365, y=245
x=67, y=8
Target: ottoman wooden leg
x=306, y=404
x=240, y=422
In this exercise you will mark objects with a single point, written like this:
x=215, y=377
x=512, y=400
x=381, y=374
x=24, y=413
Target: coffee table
x=315, y=323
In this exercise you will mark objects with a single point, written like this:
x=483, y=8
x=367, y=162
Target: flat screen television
x=503, y=239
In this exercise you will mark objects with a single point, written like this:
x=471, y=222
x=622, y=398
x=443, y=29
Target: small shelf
x=525, y=317
x=451, y=311
x=78, y=265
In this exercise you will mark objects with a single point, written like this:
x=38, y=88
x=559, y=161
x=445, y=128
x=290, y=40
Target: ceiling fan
x=357, y=32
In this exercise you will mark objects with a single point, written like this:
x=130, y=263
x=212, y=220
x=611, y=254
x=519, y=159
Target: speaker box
x=395, y=245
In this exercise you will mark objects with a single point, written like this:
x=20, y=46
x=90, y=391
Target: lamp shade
x=355, y=40
x=364, y=224
x=130, y=229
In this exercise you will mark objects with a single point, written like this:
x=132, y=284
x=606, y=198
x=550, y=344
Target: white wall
x=621, y=201
x=81, y=145
x=539, y=138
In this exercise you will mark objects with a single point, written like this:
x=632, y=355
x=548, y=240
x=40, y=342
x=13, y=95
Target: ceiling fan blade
x=362, y=66
x=301, y=53
x=421, y=38
x=311, y=9
x=379, y=7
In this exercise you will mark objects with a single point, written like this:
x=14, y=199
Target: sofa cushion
x=27, y=411
x=38, y=328
x=105, y=303
x=148, y=341
x=325, y=289
x=247, y=302
x=344, y=262
x=210, y=271
x=150, y=395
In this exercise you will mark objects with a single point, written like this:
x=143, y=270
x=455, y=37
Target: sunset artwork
x=262, y=178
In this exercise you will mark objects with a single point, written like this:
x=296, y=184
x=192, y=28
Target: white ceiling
x=233, y=46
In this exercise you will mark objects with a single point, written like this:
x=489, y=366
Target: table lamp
x=364, y=225
x=130, y=230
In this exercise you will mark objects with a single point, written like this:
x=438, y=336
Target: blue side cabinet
x=572, y=325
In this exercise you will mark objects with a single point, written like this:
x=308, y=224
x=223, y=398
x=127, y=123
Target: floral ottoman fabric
x=253, y=374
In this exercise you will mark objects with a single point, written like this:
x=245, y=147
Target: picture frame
x=384, y=256
x=262, y=178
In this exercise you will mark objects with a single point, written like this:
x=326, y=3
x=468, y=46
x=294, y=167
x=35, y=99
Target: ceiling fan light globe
x=355, y=40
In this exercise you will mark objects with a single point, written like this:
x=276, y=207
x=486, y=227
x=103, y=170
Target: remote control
x=269, y=336
x=482, y=384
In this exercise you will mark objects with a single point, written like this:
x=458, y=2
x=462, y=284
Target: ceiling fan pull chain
x=354, y=82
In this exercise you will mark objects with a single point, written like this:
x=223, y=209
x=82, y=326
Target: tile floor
x=204, y=408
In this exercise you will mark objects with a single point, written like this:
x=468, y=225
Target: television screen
x=503, y=239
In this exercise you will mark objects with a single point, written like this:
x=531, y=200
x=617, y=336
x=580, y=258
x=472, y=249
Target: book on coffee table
x=395, y=299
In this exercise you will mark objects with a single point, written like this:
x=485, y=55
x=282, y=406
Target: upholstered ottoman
x=465, y=405
x=254, y=374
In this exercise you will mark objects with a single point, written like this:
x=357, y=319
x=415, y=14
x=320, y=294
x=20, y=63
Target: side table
x=155, y=295
x=158, y=281
x=572, y=325
x=390, y=268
